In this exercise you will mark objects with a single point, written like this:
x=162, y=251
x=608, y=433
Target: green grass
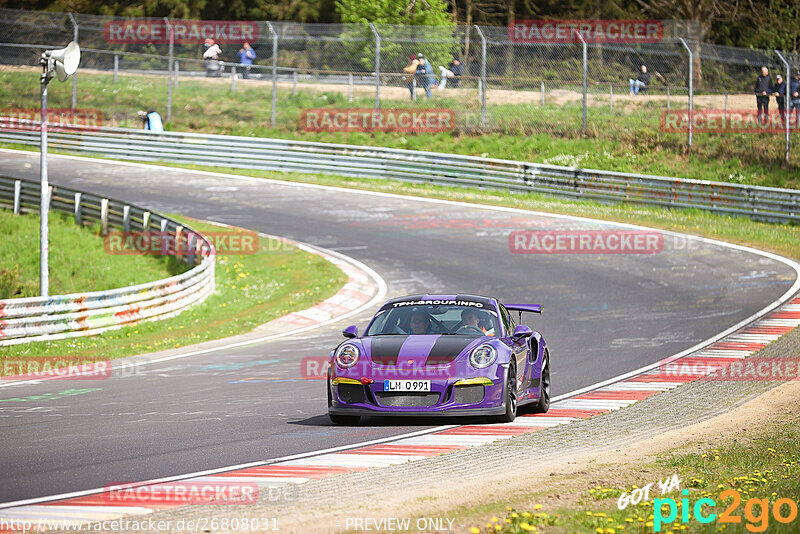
x=766, y=466
x=250, y=290
x=626, y=140
x=91, y=270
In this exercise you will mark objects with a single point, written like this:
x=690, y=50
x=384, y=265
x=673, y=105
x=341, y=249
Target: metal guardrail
x=759, y=203
x=80, y=314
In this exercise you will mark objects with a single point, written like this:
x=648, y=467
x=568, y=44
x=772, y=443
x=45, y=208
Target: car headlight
x=347, y=355
x=483, y=356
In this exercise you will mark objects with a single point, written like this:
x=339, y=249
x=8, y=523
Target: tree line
x=745, y=23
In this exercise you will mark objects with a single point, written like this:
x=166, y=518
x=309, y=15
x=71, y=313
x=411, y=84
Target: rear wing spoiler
x=532, y=308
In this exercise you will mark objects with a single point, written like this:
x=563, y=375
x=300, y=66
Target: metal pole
x=786, y=100
x=349, y=86
x=377, y=65
x=74, y=76
x=483, y=76
x=585, y=79
x=294, y=84
x=274, y=74
x=169, y=67
x=691, y=90
x=233, y=78
x=44, y=198
x=543, y=93
x=116, y=67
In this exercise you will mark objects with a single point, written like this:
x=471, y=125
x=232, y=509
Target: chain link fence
x=509, y=86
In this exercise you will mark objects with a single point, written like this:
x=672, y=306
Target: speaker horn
x=66, y=60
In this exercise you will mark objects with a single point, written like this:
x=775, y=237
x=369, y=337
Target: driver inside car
x=420, y=323
x=471, y=322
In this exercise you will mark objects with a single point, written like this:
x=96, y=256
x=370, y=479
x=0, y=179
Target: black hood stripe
x=384, y=350
x=447, y=348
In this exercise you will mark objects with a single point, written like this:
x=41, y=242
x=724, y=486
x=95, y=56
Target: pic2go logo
x=756, y=511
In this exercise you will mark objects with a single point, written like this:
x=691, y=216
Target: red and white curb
x=97, y=505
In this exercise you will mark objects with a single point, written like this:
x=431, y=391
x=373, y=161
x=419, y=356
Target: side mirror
x=522, y=331
x=352, y=331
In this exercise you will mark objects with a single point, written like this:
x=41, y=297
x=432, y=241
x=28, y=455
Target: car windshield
x=434, y=319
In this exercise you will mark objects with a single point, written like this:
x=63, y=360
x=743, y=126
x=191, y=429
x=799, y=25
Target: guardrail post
x=163, y=225
x=126, y=218
x=171, y=30
x=146, y=221
x=17, y=195
x=78, y=209
x=233, y=78
x=178, y=236
x=74, y=75
x=483, y=76
x=377, y=66
x=191, y=240
x=349, y=86
x=543, y=92
x=177, y=73
x=294, y=84
x=274, y=74
x=116, y=67
x=787, y=99
x=691, y=89
x=104, y=216
x=414, y=88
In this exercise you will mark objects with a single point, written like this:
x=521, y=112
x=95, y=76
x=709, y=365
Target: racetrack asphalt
x=604, y=315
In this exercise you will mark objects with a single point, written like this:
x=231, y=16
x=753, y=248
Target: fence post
x=294, y=84
x=349, y=86
x=787, y=100
x=177, y=73
x=171, y=30
x=17, y=196
x=414, y=88
x=543, y=92
x=585, y=80
x=74, y=77
x=78, y=208
x=116, y=67
x=233, y=78
x=104, y=216
x=377, y=65
x=691, y=89
x=126, y=218
x=483, y=76
x=146, y=221
x=274, y=74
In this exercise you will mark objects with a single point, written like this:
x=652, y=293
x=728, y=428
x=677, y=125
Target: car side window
x=508, y=321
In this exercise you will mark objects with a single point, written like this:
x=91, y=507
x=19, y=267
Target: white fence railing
x=80, y=314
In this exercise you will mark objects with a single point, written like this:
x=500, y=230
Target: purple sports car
x=448, y=355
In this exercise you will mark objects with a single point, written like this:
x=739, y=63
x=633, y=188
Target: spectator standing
x=794, y=97
x=641, y=83
x=763, y=89
x=779, y=90
x=211, y=55
x=425, y=74
x=246, y=57
x=410, y=71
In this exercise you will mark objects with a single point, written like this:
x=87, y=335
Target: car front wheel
x=544, y=387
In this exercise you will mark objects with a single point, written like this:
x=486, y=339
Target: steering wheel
x=470, y=327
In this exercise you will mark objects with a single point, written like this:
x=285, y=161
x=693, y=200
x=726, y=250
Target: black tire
x=544, y=392
x=347, y=420
x=511, y=397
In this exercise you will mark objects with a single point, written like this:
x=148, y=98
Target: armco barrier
x=760, y=203
x=61, y=316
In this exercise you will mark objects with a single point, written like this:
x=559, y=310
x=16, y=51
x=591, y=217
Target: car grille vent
x=468, y=394
x=407, y=399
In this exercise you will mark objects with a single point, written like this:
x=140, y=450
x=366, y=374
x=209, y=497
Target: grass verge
x=764, y=466
x=627, y=139
x=91, y=270
x=250, y=290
